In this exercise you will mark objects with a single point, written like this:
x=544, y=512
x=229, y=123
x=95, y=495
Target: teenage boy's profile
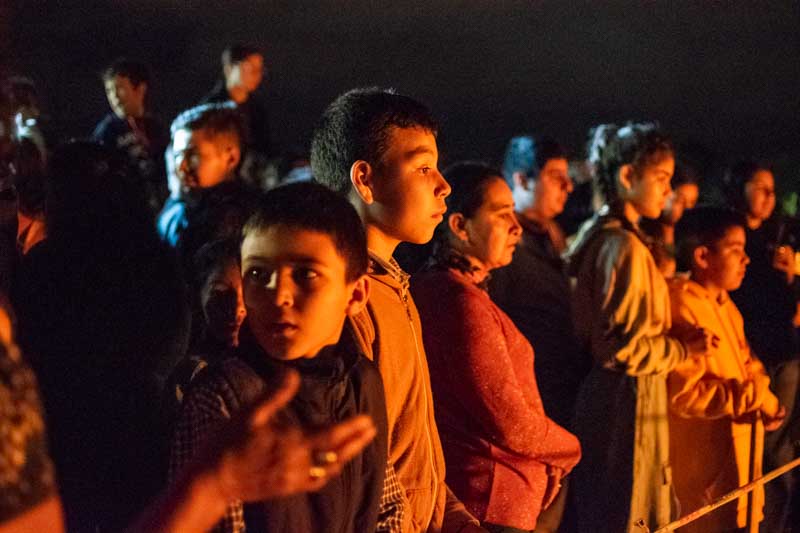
x=379, y=147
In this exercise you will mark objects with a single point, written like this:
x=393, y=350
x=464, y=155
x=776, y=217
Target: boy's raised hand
x=258, y=461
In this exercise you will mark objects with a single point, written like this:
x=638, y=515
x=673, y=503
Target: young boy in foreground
x=379, y=148
x=720, y=402
x=304, y=261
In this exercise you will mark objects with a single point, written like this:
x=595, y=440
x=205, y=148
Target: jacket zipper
x=404, y=298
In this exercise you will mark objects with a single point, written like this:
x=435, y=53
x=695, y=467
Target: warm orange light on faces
x=295, y=291
x=649, y=187
x=492, y=233
x=408, y=191
x=202, y=161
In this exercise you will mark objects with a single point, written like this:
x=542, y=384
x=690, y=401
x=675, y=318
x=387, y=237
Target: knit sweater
x=498, y=441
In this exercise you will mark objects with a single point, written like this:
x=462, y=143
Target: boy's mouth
x=282, y=328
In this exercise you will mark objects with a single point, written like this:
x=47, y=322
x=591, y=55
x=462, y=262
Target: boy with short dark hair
x=214, y=204
x=720, y=402
x=131, y=128
x=379, y=147
x=303, y=267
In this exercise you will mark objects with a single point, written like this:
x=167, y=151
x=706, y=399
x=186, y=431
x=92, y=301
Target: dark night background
x=723, y=77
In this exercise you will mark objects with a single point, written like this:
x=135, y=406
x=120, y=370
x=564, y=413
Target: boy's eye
x=425, y=170
x=305, y=274
x=259, y=276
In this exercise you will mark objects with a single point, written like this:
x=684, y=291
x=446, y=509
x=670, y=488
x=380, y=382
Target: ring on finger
x=324, y=457
x=316, y=472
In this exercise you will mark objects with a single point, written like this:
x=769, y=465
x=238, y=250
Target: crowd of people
x=198, y=333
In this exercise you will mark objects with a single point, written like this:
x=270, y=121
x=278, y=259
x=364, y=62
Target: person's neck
x=754, y=222
x=479, y=271
x=237, y=93
x=379, y=242
x=669, y=233
x=631, y=214
x=709, y=285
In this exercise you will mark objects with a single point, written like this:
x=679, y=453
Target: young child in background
x=720, y=401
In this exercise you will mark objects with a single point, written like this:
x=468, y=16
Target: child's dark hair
x=637, y=144
x=136, y=71
x=356, y=126
x=314, y=207
x=238, y=52
x=528, y=155
x=736, y=179
x=703, y=226
x=216, y=119
x=212, y=256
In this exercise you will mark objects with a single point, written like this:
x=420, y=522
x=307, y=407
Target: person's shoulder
x=108, y=126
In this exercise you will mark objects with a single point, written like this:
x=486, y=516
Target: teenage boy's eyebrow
x=419, y=150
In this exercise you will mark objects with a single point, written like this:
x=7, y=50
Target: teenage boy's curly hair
x=356, y=126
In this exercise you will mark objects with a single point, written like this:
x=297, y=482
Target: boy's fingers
x=347, y=438
x=264, y=412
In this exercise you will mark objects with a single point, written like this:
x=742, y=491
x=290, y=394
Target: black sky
x=724, y=75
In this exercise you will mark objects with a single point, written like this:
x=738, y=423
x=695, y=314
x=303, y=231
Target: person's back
x=102, y=315
x=720, y=401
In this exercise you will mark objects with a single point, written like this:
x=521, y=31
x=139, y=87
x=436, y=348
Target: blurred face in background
x=759, y=193
x=223, y=304
x=246, y=74
x=551, y=188
x=125, y=98
x=682, y=198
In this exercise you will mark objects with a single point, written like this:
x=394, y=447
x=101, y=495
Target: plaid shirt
x=204, y=412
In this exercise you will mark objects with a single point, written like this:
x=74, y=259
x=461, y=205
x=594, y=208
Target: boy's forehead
x=185, y=136
x=283, y=242
x=411, y=141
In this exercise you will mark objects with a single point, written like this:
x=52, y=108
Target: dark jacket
x=335, y=385
x=766, y=302
x=534, y=292
x=203, y=215
x=254, y=115
x=144, y=147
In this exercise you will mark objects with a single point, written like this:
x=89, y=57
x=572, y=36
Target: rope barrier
x=722, y=500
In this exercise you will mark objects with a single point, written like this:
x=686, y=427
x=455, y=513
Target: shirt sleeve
x=392, y=506
x=202, y=414
x=26, y=472
x=632, y=333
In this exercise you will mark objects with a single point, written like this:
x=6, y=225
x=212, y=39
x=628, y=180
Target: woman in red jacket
x=505, y=458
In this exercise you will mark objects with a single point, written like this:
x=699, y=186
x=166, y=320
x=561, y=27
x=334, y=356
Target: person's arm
x=250, y=461
x=628, y=336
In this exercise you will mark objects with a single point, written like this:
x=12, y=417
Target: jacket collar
x=388, y=272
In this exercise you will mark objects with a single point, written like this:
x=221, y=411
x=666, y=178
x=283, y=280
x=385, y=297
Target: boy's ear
x=700, y=257
x=625, y=177
x=359, y=296
x=458, y=226
x=233, y=154
x=361, y=178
